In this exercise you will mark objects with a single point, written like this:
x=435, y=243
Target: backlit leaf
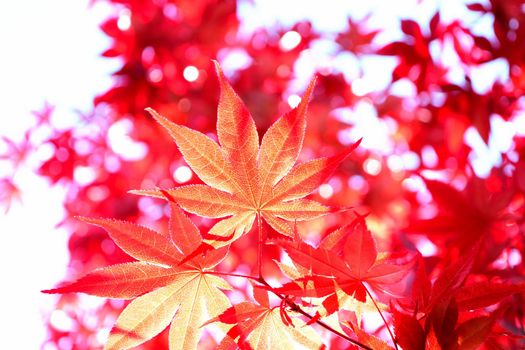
x=180, y=292
x=261, y=327
x=246, y=180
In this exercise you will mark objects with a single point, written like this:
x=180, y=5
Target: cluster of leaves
x=176, y=280
x=326, y=284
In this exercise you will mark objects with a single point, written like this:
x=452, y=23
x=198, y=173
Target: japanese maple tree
x=267, y=222
x=243, y=182
x=176, y=280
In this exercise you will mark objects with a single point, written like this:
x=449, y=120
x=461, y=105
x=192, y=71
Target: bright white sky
x=50, y=52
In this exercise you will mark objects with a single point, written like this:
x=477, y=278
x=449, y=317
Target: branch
x=292, y=305
x=382, y=317
x=298, y=309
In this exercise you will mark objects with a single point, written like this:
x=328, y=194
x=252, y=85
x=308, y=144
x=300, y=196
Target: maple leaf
x=245, y=180
x=482, y=294
x=453, y=277
x=357, y=38
x=473, y=333
x=164, y=289
x=9, y=193
x=443, y=319
x=336, y=297
x=440, y=304
x=409, y=333
x=338, y=269
x=414, y=52
x=369, y=340
x=465, y=216
x=426, y=295
x=260, y=326
x=350, y=256
x=15, y=152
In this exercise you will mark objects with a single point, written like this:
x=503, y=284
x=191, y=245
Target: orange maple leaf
x=165, y=289
x=245, y=180
x=261, y=326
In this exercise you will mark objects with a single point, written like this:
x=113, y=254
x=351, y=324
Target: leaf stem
x=382, y=317
x=290, y=303
x=259, y=247
x=298, y=309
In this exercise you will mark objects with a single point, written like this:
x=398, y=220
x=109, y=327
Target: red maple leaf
x=340, y=266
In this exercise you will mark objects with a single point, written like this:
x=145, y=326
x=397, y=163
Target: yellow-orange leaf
x=199, y=301
x=201, y=200
x=245, y=180
x=282, y=143
x=300, y=209
x=262, y=327
x=231, y=228
x=170, y=284
x=202, y=153
x=238, y=138
x=304, y=178
x=143, y=318
x=272, y=333
x=278, y=224
x=191, y=298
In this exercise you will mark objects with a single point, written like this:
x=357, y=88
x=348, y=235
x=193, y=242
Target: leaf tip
x=311, y=86
x=165, y=122
x=156, y=115
x=95, y=221
x=223, y=81
x=217, y=66
x=62, y=288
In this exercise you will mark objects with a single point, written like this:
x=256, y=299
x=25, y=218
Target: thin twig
x=298, y=309
x=382, y=317
x=290, y=303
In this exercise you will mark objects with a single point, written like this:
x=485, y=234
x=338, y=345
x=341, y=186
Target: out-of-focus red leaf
x=482, y=294
x=409, y=333
x=443, y=320
x=453, y=277
x=474, y=332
